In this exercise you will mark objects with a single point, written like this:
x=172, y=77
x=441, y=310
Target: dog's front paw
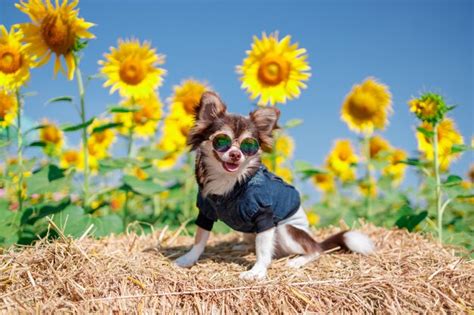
x=185, y=261
x=256, y=273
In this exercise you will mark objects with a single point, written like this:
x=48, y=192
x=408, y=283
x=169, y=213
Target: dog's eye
x=249, y=146
x=221, y=142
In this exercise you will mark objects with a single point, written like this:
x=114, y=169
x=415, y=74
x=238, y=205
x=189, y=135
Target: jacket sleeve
x=205, y=218
x=264, y=220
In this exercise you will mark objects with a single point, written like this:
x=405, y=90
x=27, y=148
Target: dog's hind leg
x=292, y=240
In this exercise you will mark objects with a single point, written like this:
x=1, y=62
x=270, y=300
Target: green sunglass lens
x=249, y=146
x=221, y=143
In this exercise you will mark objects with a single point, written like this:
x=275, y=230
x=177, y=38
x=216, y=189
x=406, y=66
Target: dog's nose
x=235, y=155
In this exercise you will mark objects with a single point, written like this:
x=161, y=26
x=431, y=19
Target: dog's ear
x=210, y=108
x=266, y=120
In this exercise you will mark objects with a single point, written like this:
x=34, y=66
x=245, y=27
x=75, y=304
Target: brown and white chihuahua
x=236, y=188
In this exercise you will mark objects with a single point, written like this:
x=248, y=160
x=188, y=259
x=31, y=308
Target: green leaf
x=111, y=164
x=72, y=221
x=106, y=126
x=48, y=179
x=55, y=172
x=427, y=133
x=413, y=162
x=33, y=214
x=8, y=235
x=59, y=99
x=142, y=187
x=452, y=180
x=151, y=154
x=79, y=44
x=450, y=108
x=307, y=169
x=37, y=144
x=107, y=225
x=457, y=148
x=292, y=123
x=78, y=127
x=411, y=221
x=35, y=128
x=123, y=109
x=465, y=196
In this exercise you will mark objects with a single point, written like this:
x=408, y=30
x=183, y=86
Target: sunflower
x=168, y=161
x=448, y=136
x=8, y=108
x=15, y=63
x=368, y=188
x=278, y=167
x=429, y=107
x=117, y=200
x=132, y=68
x=54, y=29
x=367, y=106
x=284, y=172
x=325, y=182
x=284, y=146
x=378, y=146
x=70, y=158
x=188, y=94
x=341, y=160
x=102, y=140
x=179, y=121
x=145, y=120
x=396, y=170
x=313, y=218
x=52, y=137
x=94, y=155
x=274, y=70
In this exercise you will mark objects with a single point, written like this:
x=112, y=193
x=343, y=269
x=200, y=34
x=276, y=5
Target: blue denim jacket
x=253, y=206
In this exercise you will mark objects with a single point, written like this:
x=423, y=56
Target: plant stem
x=85, y=148
x=438, y=196
x=368, y=175
x=129, y=155
x=19, y=152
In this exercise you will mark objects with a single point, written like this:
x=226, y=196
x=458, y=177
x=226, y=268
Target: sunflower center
x=139, y=118
x=99, y=137
x=344, y=155
x=71, y=157
x=190, y=103
x=57, y=34
x=132, y=71
x=273, y=70
x=51, y=134
x=10, y=60
x=363, y=107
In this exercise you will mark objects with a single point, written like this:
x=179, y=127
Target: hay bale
x=130, y=273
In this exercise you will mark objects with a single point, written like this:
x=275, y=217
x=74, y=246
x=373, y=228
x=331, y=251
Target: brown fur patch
x=309, y=245
x=336, y=240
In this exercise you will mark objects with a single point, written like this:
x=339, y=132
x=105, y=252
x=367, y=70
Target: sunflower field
x=132, y=170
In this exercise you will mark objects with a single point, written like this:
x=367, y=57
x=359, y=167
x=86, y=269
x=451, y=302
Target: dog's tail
x=349, y=240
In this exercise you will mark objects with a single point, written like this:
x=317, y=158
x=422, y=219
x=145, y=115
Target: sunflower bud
x=430, y=107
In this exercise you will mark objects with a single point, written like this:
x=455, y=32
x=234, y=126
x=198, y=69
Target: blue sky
x=411, y=46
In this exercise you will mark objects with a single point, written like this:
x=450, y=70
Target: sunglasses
x=222, y=143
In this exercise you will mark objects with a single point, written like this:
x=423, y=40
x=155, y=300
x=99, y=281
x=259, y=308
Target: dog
x=236, y=188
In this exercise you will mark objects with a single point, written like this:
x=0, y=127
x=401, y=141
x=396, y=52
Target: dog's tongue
x=231, y=167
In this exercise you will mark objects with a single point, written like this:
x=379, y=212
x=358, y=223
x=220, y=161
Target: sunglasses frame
x=231, y=142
